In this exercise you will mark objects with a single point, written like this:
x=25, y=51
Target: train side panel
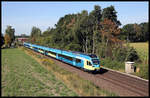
x=65, y=56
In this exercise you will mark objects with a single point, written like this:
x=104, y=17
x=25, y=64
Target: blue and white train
x=88, y=62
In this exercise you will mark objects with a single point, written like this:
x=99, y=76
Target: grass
x=81, y=86
x=142, y=50
x=24, y=76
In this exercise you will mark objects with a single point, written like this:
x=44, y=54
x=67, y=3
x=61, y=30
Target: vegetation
x=35, y=33
x=143, y=66
x=9, y=37
x=11, y=32
x=23, y=76
x=79, y=85
x=135, y=32
x=142, y=50
x=7, y=40
x=2, y=40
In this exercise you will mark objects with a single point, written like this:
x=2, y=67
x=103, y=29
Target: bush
x=120, y=54
x=143, y=73
x=132, y=55
x=112, y=64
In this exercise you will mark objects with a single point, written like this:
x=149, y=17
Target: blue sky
x=24, y=15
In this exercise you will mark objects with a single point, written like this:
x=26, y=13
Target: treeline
x=9, y=36
x=78, y=32
x=94, y=32
x=135, y=32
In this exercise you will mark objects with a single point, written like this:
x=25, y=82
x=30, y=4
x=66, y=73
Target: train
x=87, y=62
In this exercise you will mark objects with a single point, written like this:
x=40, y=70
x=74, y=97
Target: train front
x=95, y=62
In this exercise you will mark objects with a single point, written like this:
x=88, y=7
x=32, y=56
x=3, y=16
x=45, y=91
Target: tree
x=47, y=32
x=110, y=13
x=35, y=32
x=94, y=19
x=7, y=40
x=83, y=31
x=138, y=33
x=10, y=31
x=145, y=31
x=2, y=39
x=127, y=30
x=135, y=32
x=110, y=31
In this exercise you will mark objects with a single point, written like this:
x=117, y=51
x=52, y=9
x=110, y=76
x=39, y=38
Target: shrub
x=107, y=62
x=120, y=54
x=132, y=55
x=143, y=73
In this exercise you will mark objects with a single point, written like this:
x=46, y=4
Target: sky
x=24, y=15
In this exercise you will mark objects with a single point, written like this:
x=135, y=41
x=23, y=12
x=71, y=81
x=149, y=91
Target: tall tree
x=2, y=39
x=7, y=39
x=145, y=31
x=110, y=13
x=35, y=32
x=110, y=31
x=94, y=19
x=84, y=31
x=11, y=32
x=127, y=30
x=138, y=33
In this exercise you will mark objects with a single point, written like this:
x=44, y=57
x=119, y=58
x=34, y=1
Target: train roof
x=65, y=52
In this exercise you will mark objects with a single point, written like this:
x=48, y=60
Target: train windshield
x=93, y=56
x=95, y=61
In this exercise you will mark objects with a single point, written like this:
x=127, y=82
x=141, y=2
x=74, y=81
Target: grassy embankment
x=27, y=77
x=23, y=76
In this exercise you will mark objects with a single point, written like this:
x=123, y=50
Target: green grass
x=143, y=52
x=81, y=86
x=24, y=76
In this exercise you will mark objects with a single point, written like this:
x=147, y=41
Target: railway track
x=126, y=83
x=122, y=85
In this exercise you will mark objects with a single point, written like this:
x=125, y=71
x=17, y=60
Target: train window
x=95, y=61
x=66, y=57
x=93, y=56
x=78, y=60
x=35, y=48
x=89, y=63
x=52, y=53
